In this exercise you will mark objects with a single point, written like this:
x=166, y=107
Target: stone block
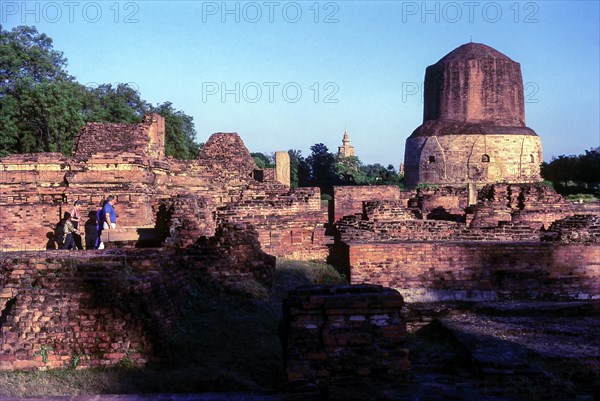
x=282, y=168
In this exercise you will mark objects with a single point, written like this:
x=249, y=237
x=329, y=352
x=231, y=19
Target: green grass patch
x=224, y=343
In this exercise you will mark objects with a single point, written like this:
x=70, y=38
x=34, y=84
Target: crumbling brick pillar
x=340, y=334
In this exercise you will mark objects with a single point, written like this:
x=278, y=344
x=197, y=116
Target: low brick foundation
x=336, y=334
x=94, y=309
x=63, y=309
x=290, y=225
x=349, y=200
x=438, y=271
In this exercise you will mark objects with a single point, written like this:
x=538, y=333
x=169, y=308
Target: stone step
x=491, y=353
x=540, y=308
x=129, y=234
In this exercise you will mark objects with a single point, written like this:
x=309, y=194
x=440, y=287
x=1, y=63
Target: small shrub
x=44, y=352
x=548, y=183
x=250, y=288
x=313, y=272
x=425, y=185
x=582, y=198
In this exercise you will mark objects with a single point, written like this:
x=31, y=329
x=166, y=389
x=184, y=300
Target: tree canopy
x=27, y=54
x=325, y=170
x=262, y=160
x=571, y=174
x=42, y=107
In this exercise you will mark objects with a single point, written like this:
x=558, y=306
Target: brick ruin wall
x=36, y=225
x=231, y=258
x=351, y=229
x=438, y=271
x=518, y=241
x=349, y=200
x=332, y=334
x=36, y=190
x=423, y=202
x=445, y=203
x=106, y=308
x=290, y=225
x=527, y=205
x=145, y=139
x=581, y=228
x=180, y=221
x=503, y=213
x=101, y=310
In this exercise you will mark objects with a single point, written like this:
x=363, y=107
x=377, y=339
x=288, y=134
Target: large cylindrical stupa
x=473, y=127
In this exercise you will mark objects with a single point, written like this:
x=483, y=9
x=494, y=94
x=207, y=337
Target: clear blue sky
x=239, y=66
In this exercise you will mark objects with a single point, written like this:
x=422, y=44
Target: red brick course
x=127, y=161
x=334, y=334
x=107, y=308
x=349, y=200
x=434, y=271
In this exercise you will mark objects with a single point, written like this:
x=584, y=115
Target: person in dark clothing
x=90, y=227
x=68, y=231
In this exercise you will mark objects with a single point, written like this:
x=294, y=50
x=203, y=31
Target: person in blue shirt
x=109, y=214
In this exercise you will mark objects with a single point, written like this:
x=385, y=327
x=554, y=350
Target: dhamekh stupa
x=473, y=127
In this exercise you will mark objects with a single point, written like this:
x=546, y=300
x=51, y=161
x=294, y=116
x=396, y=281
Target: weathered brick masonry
x=435, y=271
x=518, y=241
x=290, y=224
x=127, y=160
x=342, y=334
x=103, y=308
x=349, y=200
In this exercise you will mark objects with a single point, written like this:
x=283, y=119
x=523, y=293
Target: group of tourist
x=106, y=219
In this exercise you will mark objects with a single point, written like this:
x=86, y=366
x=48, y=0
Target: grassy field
x=224, y=343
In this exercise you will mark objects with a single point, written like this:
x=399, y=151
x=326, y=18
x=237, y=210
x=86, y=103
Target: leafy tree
x=120, y=104
x=571, y=174
x=299, y=169
x=322, y=168
x=25, y=53
x=9, y=127
x=180, y=134
x=376, y=174
x=587, y=167
x=40, y=117
x=262, y=160
x=42, y=107
x=559, y=170
x=350, y=171
x=49, y=116
x=39, y=101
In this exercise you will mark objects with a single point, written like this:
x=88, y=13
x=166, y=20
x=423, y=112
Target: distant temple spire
x=346, y=150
